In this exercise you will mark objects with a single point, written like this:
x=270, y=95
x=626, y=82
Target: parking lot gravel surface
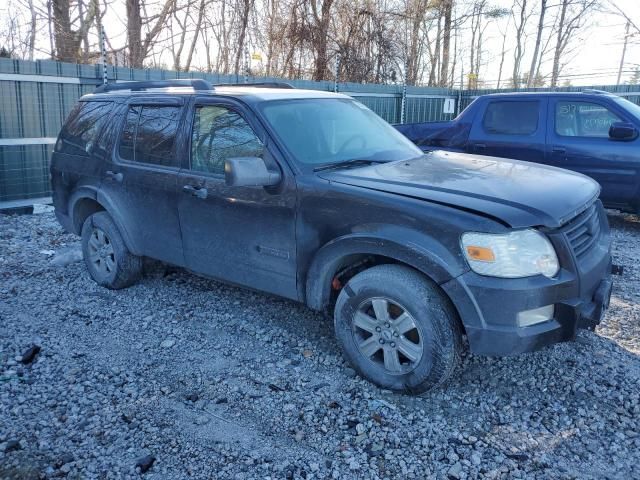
x=183, y=377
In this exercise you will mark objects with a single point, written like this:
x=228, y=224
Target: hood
x=520, y=194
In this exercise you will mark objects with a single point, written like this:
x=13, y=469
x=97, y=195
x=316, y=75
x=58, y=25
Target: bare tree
x=140, y=45
x=67, y=38
x=572, y=17
x=520, y=17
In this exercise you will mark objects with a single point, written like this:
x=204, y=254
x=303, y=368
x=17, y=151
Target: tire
x=422, y=330
x=109, y=261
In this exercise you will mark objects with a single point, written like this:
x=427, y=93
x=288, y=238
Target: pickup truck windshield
x=323, y=131
x=629, y=106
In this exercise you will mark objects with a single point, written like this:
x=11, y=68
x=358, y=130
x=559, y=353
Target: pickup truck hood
x=520, y=194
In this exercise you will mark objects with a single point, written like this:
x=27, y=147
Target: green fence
x=35, y=98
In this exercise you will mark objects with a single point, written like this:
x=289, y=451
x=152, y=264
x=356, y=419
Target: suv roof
x=249, y=92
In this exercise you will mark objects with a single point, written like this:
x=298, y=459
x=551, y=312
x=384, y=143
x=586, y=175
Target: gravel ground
x=189, y=378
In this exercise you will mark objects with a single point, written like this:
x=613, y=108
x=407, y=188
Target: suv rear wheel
x=398, y=329
x=108, y=260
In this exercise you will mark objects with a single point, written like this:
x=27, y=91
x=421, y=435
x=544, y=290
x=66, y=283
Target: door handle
x=199, y=192
x=116, y=177
x=480, y=146
x=555, y=149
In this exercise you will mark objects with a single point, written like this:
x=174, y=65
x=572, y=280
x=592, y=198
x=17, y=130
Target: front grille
x=584, y=230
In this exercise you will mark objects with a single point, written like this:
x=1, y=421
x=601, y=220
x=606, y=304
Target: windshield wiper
x=347, y=163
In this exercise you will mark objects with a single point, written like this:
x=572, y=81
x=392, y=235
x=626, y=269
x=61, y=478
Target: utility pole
x=103, y=50
x=403, y=101
x=335, y=83
x=624, y=51
x=247, y=68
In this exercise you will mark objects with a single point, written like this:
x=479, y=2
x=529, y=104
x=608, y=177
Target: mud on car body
x=311, y=196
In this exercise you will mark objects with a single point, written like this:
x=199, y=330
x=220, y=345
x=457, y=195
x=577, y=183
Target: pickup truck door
x=243, y=235
x=578, y=139
x=510, y=128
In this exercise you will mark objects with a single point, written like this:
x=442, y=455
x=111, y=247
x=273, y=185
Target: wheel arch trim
x=432, y=262
x=93, y=193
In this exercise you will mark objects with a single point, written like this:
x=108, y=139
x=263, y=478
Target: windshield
x=629, y=106
x=323, y=131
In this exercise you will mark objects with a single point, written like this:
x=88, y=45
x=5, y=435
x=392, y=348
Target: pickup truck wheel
x=398, y=329
x=107, y=258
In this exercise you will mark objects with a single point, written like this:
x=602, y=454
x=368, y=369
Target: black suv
x=311, y=196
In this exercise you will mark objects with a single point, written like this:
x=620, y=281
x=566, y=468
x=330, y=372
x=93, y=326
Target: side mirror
x=622, y=131
x=249, y=172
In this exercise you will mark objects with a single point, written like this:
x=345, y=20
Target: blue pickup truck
x=591, y=132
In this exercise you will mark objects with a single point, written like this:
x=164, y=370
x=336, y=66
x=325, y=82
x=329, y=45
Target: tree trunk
x=33, y=28
x=536, y=51
x=66, y=50
x=557, y=53
x=244, y=21
x=518, y=53
x=447, y=6
x=187, y=64
x=134, y=34
x=321, y=39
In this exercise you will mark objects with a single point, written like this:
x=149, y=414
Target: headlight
x=522, y=253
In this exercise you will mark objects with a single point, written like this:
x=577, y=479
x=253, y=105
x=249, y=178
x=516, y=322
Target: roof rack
x=257, y=85
x=195, y=83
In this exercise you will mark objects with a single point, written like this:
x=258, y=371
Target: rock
x=202, y=420
x=12, y=446
x=64, y=459
x=455, y=470
x=145, y=463
x=168, y=343
x=192, y=397
x=29, y=354
x=67, y=258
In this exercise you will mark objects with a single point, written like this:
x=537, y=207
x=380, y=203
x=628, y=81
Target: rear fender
x=90, y=192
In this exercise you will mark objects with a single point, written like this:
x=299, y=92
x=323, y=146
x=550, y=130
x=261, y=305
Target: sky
x=595, y=63
x=598, y=59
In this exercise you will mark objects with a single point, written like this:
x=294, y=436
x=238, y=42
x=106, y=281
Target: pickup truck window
x=219, y=134
x=630, y=107
x=583, y=119
x=511, y=118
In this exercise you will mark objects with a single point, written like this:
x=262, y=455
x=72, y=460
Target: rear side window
x=583, y=119
x=511, y=118
x=149, y=135
x=80, y=133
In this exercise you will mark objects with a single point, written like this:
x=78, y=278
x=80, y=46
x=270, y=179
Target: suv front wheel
x=109, y=261
x=398, y=329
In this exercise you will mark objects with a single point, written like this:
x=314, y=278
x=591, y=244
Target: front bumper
x=489, y=306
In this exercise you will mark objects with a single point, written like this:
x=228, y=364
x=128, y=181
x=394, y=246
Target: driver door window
x=220, y=133
x=583, y=119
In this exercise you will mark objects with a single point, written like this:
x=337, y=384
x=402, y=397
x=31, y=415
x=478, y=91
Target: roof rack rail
x=257, y=85
x=195, y=83
x=597, y=92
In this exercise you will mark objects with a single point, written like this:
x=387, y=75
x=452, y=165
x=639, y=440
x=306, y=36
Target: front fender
x=419, y=251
